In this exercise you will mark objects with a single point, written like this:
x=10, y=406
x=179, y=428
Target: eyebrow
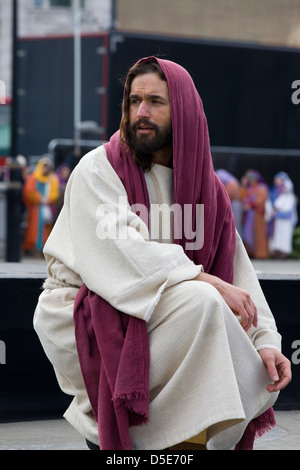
x=151, y=96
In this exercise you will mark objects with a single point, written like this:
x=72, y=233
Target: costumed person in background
x=40, y=195
x=254, y=196
x=232, y=186
x=63, y=174
x=281, y=215
x=155, y=320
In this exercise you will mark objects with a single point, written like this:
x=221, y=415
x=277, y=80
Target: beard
x=143, y=145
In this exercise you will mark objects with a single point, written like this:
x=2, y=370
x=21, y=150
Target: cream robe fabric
x=205, y=372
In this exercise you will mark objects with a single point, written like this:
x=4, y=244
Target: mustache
x=144, y=122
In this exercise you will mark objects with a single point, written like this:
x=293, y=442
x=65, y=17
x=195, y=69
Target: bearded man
x=149, y=319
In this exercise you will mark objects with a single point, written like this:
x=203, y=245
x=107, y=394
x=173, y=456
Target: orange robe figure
x=40, y=194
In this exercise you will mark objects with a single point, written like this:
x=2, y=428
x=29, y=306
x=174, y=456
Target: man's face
x=150, y=126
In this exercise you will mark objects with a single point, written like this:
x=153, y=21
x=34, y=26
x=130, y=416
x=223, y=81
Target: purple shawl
x=106, y=364
x=114, y=358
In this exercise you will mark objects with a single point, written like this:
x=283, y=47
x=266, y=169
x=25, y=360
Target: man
x=215, y=360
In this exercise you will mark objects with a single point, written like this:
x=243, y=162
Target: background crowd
x=265, y=216
x=43, y=196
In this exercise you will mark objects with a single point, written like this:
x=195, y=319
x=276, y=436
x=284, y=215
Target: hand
x=238, y=300
x=279, y=368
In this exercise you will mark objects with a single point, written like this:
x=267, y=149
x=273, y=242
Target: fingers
x=238, y=300
x=279, y=369
x=247, y=312
x=284, y=379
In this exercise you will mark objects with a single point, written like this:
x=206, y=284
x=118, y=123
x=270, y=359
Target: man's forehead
x=150, y=83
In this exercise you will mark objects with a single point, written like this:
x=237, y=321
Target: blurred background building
x=41, y=19
x=272, y=22
x=243, y=56
x=258, y=22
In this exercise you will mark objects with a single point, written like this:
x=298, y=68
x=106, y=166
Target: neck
x=163, y=157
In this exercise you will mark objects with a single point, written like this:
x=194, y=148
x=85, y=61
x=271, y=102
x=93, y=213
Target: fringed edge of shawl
x=257, y=428
x=127, y=399
x=263, y=423
x=121, y=397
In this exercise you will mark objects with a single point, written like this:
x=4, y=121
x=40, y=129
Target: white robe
x=205, y=372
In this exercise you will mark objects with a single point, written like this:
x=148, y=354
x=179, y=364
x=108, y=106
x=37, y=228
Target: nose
x=143, y=111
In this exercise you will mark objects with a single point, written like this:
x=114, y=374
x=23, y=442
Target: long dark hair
x=149, y=66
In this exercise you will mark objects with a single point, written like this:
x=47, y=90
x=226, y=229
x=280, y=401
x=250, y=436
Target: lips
x=145, y=130
x=144, y=127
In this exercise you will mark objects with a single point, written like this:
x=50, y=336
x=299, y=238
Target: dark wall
x=283, y=298
x=45, y=84
x=28, y=386
x=246, y=90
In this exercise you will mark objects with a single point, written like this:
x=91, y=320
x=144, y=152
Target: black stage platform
x=29, y=388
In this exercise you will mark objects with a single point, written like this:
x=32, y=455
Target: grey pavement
x=40, y=435
x=27, y=268
x=286, y=434
x=59, y=435
x=31, y=267
x=287, y=269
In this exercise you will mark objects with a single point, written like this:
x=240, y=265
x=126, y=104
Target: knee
x=202, y=294
x=188, y=301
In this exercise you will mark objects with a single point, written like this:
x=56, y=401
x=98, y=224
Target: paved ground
x=274, y=268
x=59, y=435
x=30, y=267
x=285, y=436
